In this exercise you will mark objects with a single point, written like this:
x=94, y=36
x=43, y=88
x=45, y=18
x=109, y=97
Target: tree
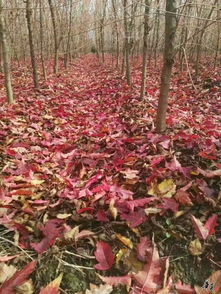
x=31, y=44
x=126, y=44
x=56, y=43
x=5, y=57
x=170, y=32
x=145, y=49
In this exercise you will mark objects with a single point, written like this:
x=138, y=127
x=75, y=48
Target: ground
x=81, y=163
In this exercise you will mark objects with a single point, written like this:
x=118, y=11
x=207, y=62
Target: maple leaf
x=53, y=287
x=104, y=256
x=52, y=230
x=209, y=173
x=143, y=248
x=20, y=277
x=102, y=289
x=166, y=189
x=6, y=271
x=7, y=257
x=149, y=278
x=184, y=289
x=125, y=280
x=203, y=231
x=213, y=284
x=183, y=197
x=169, y=204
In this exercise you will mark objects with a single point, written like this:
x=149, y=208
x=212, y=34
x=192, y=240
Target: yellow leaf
x=113, y=209
x=152, y=210
x=152, y=191
x=26, y=288
x=121, y=253
x=194, y=173
x=179, y=213
x=167, y=188
x=56, y=283
x=71, y=234
x=63, y=215
x=37, y=182
x=6, y=271
x=126, y=241
x=195, y=247
x=128, y=260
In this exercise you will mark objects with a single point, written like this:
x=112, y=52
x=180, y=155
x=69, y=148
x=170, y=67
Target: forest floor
x=87, y=187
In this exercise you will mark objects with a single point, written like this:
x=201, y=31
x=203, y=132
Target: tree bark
x=117, y=33
x=170, y=31
x=145, y=49
x=67, y=53
x=31, y=44
x=56, y=44
x=42, y=42
x=5, y=57
x=126, y=45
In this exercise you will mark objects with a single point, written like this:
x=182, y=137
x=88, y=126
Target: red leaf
x=53, y=287
x=169, y=204
x=143, y=247
x=7, y=257
x=209, y=173
x=104, y=256
x=183, y=197
x=211, y=224
x=19, y=278
x=125, y=280
x=184, y=289
x=51, y=231
x=149, y=277
x=201, y=231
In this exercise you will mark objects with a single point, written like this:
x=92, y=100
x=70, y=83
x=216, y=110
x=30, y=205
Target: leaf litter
x=84, y=176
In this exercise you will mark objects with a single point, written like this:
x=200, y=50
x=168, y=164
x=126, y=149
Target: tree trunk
x=42, y=42
x=170, y=31
x=126, y=44
x=5, y=57
x=56, y=45
x=69, y=37
x=145, y=49
x=117, y=33
x=31, y=44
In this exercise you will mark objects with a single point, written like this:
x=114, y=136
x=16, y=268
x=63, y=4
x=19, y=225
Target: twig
x=77, y=267
x=78, y=255
x=214, y=262
x=188, y=68
x=12, y=243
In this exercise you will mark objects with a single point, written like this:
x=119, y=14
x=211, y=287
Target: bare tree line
x=124, y=29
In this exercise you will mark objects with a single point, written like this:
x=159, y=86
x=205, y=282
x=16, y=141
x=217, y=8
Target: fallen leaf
x=104, y=256
x=166, y=189
x=53, y=287
x=26, y=288
x=8, y=257
x=195, y=247
x=211, y=223
x=102, y=289
x=209, y=173
x=126, y=241
x=6, y=272
x=184, y=289
x=200, y=230
x=149, y=278
x=152, y=210
x=52, y=230
x=125, y=280
x=19, y=278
